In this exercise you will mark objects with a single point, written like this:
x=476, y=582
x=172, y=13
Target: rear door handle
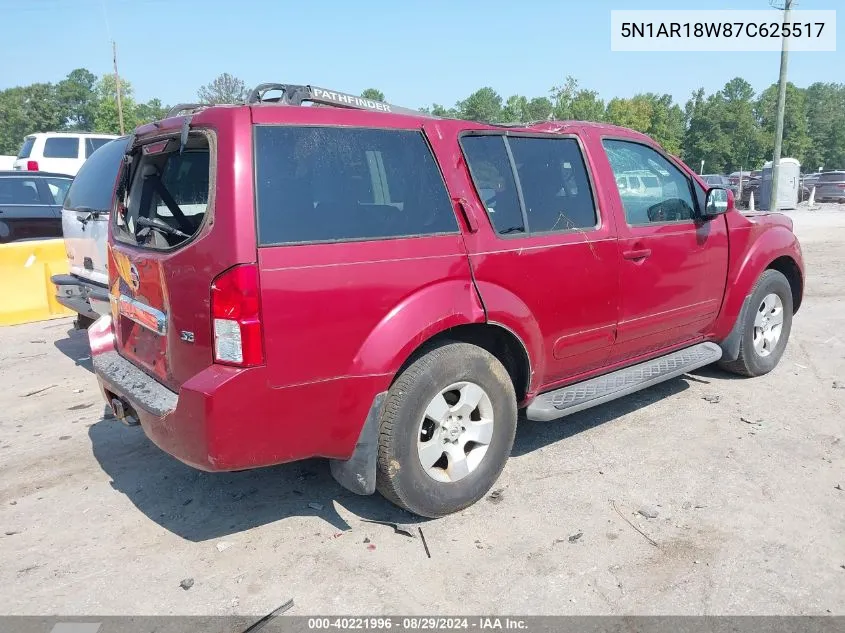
x=640, y=253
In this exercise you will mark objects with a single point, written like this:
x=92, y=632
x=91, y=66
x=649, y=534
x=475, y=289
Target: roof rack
x=190, y=108
x=291, y=94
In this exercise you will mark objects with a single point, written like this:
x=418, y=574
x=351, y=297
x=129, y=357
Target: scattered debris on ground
x=838, y=384
x=425, y=545
x=624, y=518
x=32, y=393
x=496, y=496
x=270, y=616
x=223, y=546
x=399, y=528
x=649, y=512
x=315, y=506
x=186, y=583
x=712, y=398
x=575, y=537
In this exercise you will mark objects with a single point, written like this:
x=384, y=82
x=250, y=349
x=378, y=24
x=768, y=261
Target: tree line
x=729, y=129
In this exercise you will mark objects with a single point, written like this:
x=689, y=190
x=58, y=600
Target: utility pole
x=784, y=58
x=117, y=86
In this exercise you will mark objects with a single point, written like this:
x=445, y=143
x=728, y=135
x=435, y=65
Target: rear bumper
x=226, y=418
x=82, y=296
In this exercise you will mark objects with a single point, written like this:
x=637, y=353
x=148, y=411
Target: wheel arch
x=495, y=338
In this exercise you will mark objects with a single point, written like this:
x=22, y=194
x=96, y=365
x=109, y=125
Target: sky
x=416, y=52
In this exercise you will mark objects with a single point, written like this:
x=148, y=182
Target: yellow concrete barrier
x=26, y=293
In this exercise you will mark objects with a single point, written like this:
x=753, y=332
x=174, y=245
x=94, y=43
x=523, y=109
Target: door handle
x=639, y=253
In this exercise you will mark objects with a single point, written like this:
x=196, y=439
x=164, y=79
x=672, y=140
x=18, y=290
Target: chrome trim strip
x=128, y=307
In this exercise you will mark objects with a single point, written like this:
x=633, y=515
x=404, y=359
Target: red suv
x=388, y=289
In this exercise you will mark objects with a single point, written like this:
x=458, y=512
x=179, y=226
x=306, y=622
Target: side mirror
x=719, y=200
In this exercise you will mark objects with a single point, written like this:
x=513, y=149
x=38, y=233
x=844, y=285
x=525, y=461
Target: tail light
x=32, y=165
x=841, y=185
x=236, y=317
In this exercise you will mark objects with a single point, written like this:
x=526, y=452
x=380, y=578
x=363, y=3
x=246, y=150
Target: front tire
x=446, y=431
x=767, y=325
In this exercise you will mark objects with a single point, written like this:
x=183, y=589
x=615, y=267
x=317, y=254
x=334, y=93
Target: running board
x=582, y=395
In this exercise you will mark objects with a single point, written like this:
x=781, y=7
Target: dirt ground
x=748, y=492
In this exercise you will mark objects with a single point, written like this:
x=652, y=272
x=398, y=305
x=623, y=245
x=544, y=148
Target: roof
x=72, y=134
x=44, y=174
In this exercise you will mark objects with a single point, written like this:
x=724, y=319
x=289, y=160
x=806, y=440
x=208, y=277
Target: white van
x=58, y=152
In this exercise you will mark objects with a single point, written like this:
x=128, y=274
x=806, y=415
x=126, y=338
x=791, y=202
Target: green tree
x=539, y=109
x=77, y=99
x=515, y=110
x=722, y=129
x=225, y=88
x=106, y=119
x=482, y=105
x=634, y=113
x=586, y=106
x=825, y=103
x=150, y=111
x=796, y=138
x=25, y=110
x=373, y=94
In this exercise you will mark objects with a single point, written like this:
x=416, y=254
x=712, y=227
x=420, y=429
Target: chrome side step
x=582, y=395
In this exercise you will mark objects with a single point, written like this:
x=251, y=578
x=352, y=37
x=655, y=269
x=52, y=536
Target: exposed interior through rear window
x=164, y=194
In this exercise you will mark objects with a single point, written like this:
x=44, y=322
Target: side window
x=327, y=184
x=555, y=186
x=61, y=147
x=93, y=144
x=491, y=172
x=58, y=188
x=19, y=191
x=663, y=192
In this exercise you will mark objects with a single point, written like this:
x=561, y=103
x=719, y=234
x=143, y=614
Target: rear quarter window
x=61, y=147
x=329, y=184
x=93, y=186
x=93, y=144
x=26, y=148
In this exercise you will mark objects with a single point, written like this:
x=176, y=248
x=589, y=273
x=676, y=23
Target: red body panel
x=339, y=319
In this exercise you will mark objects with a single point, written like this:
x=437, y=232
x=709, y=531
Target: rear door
x=545, y=250
x=673, y=266
x=85, y=215
x=160, y=279
x=356, y=235
x=27, y=210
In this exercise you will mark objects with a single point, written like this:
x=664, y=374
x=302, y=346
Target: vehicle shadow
x=531, y=435
x=200, y=506
x=75, y=347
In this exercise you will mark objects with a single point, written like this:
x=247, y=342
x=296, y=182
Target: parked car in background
x=58, y=152
x=388, y=290
x=716, y=180
x=830, y=187
x=752, y=185
x=85, y=220
x=30, y=205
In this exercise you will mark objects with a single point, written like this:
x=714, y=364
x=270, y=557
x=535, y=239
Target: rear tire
x=768, y=323
x=446, y=431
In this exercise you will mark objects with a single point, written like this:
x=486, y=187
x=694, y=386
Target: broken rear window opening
x=163, y=202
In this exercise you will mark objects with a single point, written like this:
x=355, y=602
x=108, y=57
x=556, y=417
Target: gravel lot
x=748, y=492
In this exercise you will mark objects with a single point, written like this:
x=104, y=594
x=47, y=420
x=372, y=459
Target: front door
x=673, y=265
